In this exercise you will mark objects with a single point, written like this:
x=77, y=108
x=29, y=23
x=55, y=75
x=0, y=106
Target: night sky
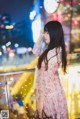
x=18, y=9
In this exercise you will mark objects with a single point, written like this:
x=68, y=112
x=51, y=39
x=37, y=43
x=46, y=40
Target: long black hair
x=55, y=30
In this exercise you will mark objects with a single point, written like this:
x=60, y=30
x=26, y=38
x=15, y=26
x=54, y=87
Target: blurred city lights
x=9, y=26
x=0, y=53
x=4, y=47
x=51, y=5
x=21, y=50
x=41, y=7
x=32, y=15
x=57, y=16
x=11, y=54
x=16, y=45
x=3, y=18
x=8, y=49
x=29, y=49
x=2, y=26
x=36, y=28
x=9, y=43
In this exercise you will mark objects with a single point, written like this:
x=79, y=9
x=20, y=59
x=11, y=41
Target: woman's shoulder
x=53, y=53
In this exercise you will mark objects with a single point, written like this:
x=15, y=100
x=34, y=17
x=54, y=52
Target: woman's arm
x=39, y=46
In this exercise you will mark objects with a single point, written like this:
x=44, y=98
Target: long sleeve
x=39, y=47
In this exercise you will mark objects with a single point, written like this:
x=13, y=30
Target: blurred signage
x=57, y=16
x=21, y=50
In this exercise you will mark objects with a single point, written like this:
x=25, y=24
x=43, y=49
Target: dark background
x=19, y=11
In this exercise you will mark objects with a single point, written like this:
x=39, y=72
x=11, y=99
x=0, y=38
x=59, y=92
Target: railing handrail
x=16, y=72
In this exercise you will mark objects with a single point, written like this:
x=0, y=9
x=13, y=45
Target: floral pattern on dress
x=50, y=95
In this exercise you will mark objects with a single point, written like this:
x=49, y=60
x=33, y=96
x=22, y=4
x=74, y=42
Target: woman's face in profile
x=46, y=37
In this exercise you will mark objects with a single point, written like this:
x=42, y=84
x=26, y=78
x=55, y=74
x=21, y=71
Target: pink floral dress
x=50, y=95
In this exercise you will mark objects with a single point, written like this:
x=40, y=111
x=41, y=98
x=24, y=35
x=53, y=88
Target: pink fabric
x=50, y=95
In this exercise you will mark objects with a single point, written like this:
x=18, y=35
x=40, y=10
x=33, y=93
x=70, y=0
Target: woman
x=50, y=96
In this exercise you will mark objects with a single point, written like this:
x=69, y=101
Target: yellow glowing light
x=69, y=15
x=11, y=54
x=0, y=53
x=78, y=96
x=9, y=26
x=11, y=79
x=73, y=111
x=66, y=18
